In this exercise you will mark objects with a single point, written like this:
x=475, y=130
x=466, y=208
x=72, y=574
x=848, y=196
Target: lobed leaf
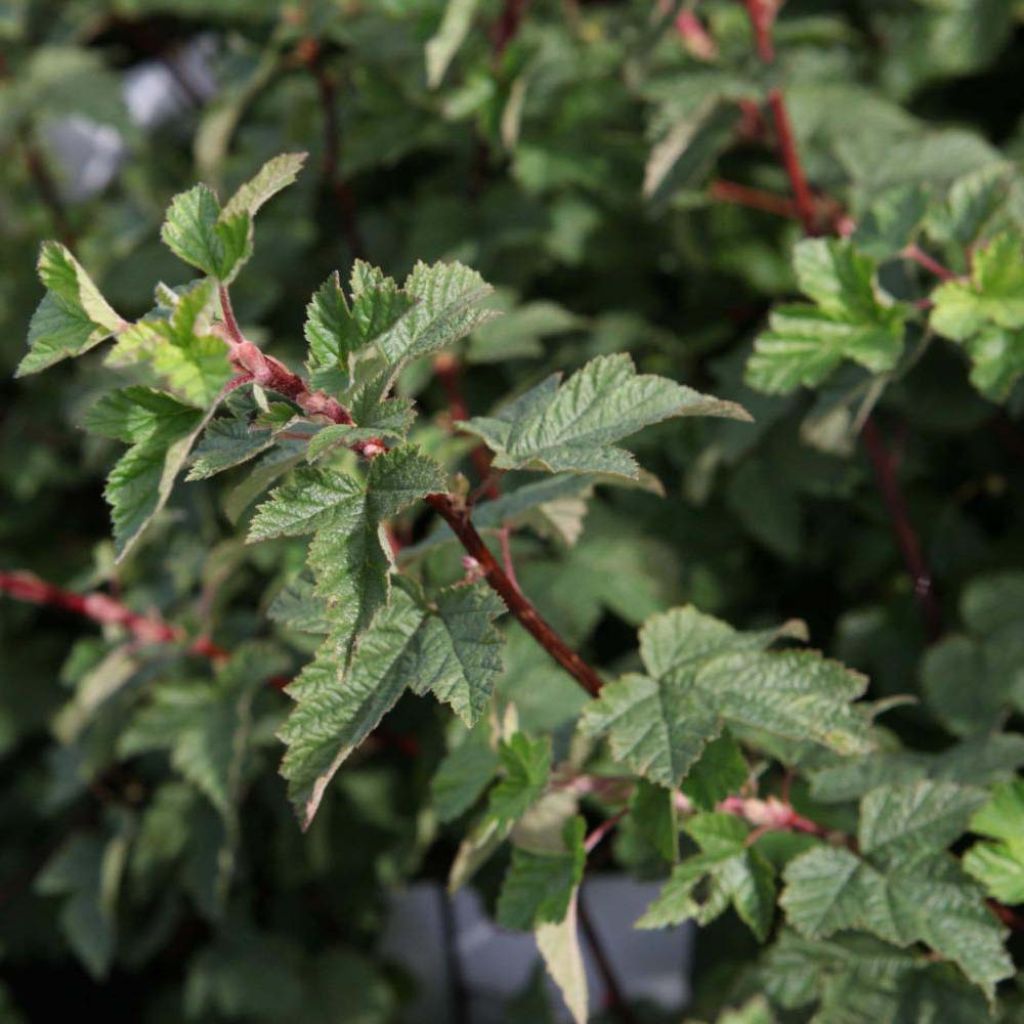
x=573, y=428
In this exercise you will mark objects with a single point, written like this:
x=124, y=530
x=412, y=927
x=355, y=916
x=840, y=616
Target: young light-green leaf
x=805, y=344
x=72, y=317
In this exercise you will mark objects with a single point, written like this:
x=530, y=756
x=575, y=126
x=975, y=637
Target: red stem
x=762, y=15
x=615, y=999
x=506, y=28
x=921, y=258
x=762, y=18
x=754, y=198
x=899, y=517
x=101, y=608
x=791, y=161
x=448, y=371
x=457, y=517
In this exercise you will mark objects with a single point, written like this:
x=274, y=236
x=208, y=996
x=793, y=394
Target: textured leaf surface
x=446, y=306
x=161, y=432
x=526, y=764
x=703, y=674
x=897, y=822
x=347, y=554
x=197, y=232
x=227, y=442
x=187, y=360
x=573, y=428
x=539, y=884
x=452, y=650
x=805, y=344
x=733, y=872
x=930, y=901
x=73, y=316
x=999, y=865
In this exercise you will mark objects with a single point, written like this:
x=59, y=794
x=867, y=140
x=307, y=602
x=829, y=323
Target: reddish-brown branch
x=457, y=517
x=506, y=28
x=754, y=198
x=762, y=15
x=899, y=518
x=791, y=161
x=615, y=998
x=921, y=258
x=271, y=373
x=1013, y=919
x=597, y=835
x=762, y=19
x=103, y=609
x=330, y=168
x=448, y=371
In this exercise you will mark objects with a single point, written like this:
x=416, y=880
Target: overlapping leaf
x=451, y=649
x=73, y=316
x=161, y=432
x=806, y=343
x=219, y=241
x=999, y=864
x=734, y=872
x=573, y=428
x=189, y=361
x=702, y=674
x=902, y=888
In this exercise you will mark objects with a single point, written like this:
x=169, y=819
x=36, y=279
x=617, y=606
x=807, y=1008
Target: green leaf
x=187, y=360
x=971, y=204
x=559, y=945
x=335, y=332
x=205, y=725
x=348, y=556
x=891, y=222
x=276, y=174
x=539, y=884
x=703, y=674
x=720, y=771
x=161, y=432
x=986, y=314
x=450, y=35
x=446, y=306
x=452, y=650
x=227, y=442
x=734, y=873
x=899, y=822
x=572, y=428
x=464, y=773
x=974, y=762
x=653, y=811
x=994, y=295
x=331, y=333
x=73, y=316
x=526, y=764
x=460, y=650
x=999, y=866
x=805, y=344
x=87, y=871
x=198, y=232
x=927, y=900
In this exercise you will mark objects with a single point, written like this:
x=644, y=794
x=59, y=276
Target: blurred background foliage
x=580, y=156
